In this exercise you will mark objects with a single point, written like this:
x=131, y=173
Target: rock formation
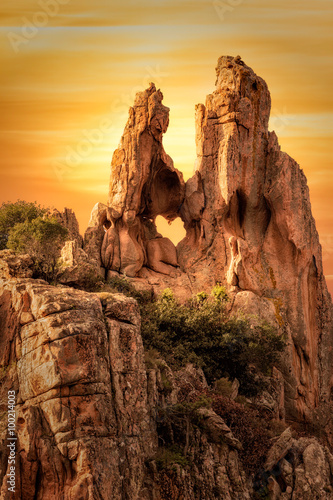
x=248, y=218
x=68, y=219
x=75, y=361
x=85, y=402
x=144, y=184
x=89, y=407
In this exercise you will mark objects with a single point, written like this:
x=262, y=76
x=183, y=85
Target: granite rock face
x=75, y=361
x=298, y=469
x=88, y=405
x=248, y=218
x=68, y=219
x=85, y=402
x=144, y=184
x=89, y=408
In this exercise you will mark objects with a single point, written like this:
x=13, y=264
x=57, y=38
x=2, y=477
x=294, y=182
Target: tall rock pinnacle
x=85, y=412
x=144, y=184
x=255, y=229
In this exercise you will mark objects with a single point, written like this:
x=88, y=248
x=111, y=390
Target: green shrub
x=219, y=293
x=153, y=359
x=16, y=213
x=120, y=284
x=90, y=282
x=201, y=332
x=175, y=422
x=223, y=386
x=188, y=408
x=167, y=457
x=42, y=238
x=166, y=383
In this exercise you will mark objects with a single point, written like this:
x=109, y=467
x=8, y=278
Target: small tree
x=42, y=238
x=16, y=213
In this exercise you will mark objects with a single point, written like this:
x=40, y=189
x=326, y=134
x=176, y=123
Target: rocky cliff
x=86, y=405
x=248, y=221
x=255, y=228
x=94, y=419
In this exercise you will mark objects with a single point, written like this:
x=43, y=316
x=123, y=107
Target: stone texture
x=68, y=219
x=88, y=408
x=15, y=265
x=93, y=237
x=257, y=308
x=217, y=428
x=251, y=227
x=76, y=266
x=279, y=449
x=83, y=423
x=80, y=261
x=88, y=403
x=143, y=184
x=298, y=469
x=248, y=222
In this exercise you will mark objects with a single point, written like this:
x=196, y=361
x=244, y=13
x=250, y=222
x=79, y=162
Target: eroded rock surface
x=248, y=222
x=144, y=184
x=76, y=363
x=68, y=219
x=85, y=402
x=248, y=218
x=88, y=406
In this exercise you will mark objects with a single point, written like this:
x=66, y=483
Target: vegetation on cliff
x=201, y=332
x=16, y=213
x=27, y=228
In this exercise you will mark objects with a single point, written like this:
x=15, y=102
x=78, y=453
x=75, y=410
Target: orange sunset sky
x=70, y=70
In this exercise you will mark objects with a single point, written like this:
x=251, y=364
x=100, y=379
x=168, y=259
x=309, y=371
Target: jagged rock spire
x=256, y=229
x=143, y=184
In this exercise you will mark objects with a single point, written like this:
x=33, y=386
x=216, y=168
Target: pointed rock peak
x=143, y=185
x=149, y=113
x=240, y=90
x=255, y=230
x=247, y=216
